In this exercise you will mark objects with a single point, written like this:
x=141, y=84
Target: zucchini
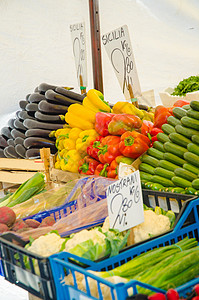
x=70, y=94
x=173, y=121
x=193, y=114
x=193, y=148
x=191, y=168
x=187, y=106
x=167, y=165
x=195, y=184
x=159, y=146
x=145, y=176
x=190, y=190
x=155, y=153
x=175, y=149
x=164, y=173
x=52, y=109
x=179, y=112
x=167, y=128
x=192, y=158
x=190, y=122
x=152, y=161
x=185, y=174
x=179, y=139
x=174, y=159
x=161, y=180
x=162, y=137
x=194, y=104
x=180, y=182
x=195, y=139
x=188, y=132
x=146, y=168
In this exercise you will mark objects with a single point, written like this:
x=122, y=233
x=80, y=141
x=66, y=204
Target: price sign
x=79, y=51
x=118, y=47
x=125, y=204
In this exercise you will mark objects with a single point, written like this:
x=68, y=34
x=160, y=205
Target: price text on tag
x=125, y=204
x=118, y=47
x=79, y=51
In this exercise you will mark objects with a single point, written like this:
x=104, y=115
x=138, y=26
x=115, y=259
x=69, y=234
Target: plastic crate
x=187, y=224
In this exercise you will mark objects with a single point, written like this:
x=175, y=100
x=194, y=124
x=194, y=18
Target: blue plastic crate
x=187, y=224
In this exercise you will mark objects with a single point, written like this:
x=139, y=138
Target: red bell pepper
x=101, y=170
x=180, y=103
x=161, y=115
x=155, y=131
x=92, y=149
x=121, y=123
x=133, y=144
x=109, y=149
x=102, y=120
x=87, y=165
x=146, y=127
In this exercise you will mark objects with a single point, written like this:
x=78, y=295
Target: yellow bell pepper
x=123, y=107
x=84, y=140
x=94, y=100
x=75, y=121
x=82, y=112
x=74, y=133
x=62, y=131
x=70, y=161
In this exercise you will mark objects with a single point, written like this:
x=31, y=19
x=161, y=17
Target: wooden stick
x=83, y=91
x=132, y=95
x=45, y=156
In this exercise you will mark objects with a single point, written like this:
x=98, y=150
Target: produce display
x=187, y=85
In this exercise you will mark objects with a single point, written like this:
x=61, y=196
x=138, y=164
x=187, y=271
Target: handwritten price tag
x=79, y=51
x=125, y=204
x=118, y=47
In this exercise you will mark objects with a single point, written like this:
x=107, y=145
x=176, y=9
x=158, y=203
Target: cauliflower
x=106, y=225
x=153, y=225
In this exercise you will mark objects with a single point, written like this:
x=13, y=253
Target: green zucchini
x=192, y=158
x=179, y=139
x=191, y=168
x=195, y=184
x=194, y=104
x=180, y=182
x=177, y=190
x=163, y=172
x=167, y=128
x=188, y=132
x=164, y=181
x=150, y=160
x=174, y=159
x=185, y=174
x=146, y=168
x=155, y=153
x=159, y=146
x=175, y=149
x=187, y=106
x=157, y=187
x=190, y=122
x=173, y=121
x=179, y=112
x=190, y=190
x=191, y=147
x=195, y=139
x=162, y=137
x=145, y=176
x=167, y=165
x=193, y=114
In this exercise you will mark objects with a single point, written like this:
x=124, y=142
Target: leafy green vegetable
x=186, y=85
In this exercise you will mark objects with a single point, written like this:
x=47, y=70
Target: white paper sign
x=79, y=51
x=125, y=204
x=118, y=47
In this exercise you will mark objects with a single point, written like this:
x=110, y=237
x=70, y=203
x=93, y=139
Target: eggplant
x=22, y=104
x=2, y=155
x=10, y=142
x=31, y=124
x=10, y=150
x=33, y=153
x=23, y=115
x=52, y=96
x=20, y=150
x=6, y=154
x=37, y=142
x=19, y=125
x=36, y=97
x=50, y=118
x=3, y=142
x=11, y=123
x=17, y=113
x=32, y=107
x=15, y=133
x=43, y=87
x=27, y=97
x=70, y=94
x=52, y=109
x=18, y=141
x=38, y=132
x=6, y=132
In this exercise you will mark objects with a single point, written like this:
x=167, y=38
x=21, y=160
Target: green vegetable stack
x=172, y=164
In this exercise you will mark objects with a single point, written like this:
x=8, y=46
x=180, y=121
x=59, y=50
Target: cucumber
x=174, y=159
x=195, y=139
x=179, y=139
x=167, y=128
x=155, y=153
x=177, y=190
x=194, y=104
x=190, y=122
x=159, y=146
x=143, y=183
x=145, y=176
x=191, y=168
x=164, y=173
x=192, y=158
x=150, y=160
x=193, y=114
x=180, y=182
x=175, y=149
x=190, y=190
x=148, y=184
x=187, y=106
x=164, y=181
x=188, y=132
x=162, y=137
x=146, y=168
x=167, y=165
x=157, y=187
x=193, y=148
x=169, y=189
x=179, y=112
x=185, y=174
x=195, y=184
x=173, y=121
